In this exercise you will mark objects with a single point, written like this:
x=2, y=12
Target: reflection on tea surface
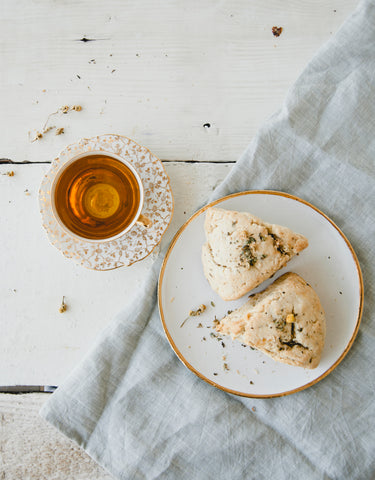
x=97, y=197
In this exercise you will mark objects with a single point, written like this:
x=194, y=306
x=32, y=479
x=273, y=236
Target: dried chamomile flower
x=194, y=313
x=277, y=31
x=200, y=309
x=47, y=129
x=63, y=306
x=38, y=136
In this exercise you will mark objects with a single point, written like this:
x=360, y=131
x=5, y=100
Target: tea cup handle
x=143, y=220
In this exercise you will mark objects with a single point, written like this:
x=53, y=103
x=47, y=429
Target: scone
x=285, y=321
x=242, y=251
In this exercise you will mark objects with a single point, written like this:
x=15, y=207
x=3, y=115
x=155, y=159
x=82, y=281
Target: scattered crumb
x=206, y=125
x=65, y=109
x=77, y=108
x=277, y=31
x=216, y=336
x=223, y=344
x=44, y=90
x=253, y=409
x=225, y=367
x=340, y=293
x=113, y=70
x=204, y=339
x=9, y=174
x=78, y=77
x=215, y=373
x=224, y=357
x=199, y=325
x=172, y=299
x=59, y=131
x=251, y=382
x=237, y=371
x=212, y=304
x=27, y=192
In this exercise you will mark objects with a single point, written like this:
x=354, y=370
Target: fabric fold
x=141, y=414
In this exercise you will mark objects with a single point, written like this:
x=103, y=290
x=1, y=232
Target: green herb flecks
x=194, y=313
x=247, y=254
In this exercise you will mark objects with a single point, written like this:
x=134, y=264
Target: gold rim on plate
x=228, y=390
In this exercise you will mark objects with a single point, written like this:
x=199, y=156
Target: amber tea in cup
x=97, y=196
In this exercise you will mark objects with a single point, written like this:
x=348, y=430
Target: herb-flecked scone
x=285, y=321
x=242, y=251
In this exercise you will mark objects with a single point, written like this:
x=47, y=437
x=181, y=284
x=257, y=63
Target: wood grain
x=32, y=449
x=39, y=345
x=154, y=71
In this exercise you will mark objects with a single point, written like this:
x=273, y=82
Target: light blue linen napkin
x=134, y=407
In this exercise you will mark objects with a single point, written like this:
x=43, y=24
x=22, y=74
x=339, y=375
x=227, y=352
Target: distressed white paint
x=157, y=71
x=39, y=345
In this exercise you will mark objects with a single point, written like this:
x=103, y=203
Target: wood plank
x=39, y=345
x=32, y=449
x=154, y=71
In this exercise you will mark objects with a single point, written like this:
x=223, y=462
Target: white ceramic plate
x=329, y=265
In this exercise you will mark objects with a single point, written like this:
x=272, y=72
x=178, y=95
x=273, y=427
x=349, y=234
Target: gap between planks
x=8, y=161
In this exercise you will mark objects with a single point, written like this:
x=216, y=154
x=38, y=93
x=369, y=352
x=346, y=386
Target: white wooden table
x=192, y=81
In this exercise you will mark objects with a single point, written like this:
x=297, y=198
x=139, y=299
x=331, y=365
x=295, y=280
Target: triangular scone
x=242, y=251
x=285, y=321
